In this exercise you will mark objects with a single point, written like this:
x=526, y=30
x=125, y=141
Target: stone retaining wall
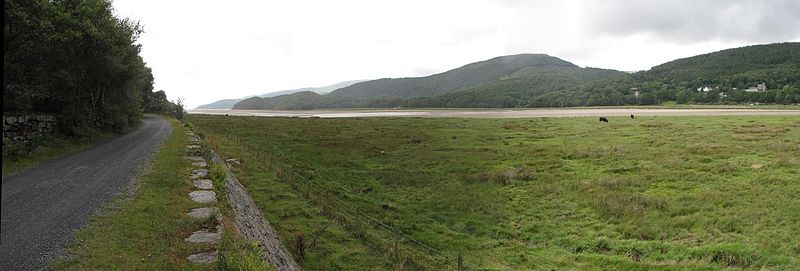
x=252, y=224
x=24, y=128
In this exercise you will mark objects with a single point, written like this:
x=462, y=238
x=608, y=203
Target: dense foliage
x=545, y=81
x=76, y=60
x=726, y=74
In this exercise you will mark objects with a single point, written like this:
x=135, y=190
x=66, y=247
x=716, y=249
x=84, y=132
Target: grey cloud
x=697, y=20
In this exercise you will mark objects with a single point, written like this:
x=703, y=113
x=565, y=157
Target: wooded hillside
x=77, y=61
x=530, y=80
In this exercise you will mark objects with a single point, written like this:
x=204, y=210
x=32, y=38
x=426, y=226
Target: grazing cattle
x=632, y=116
x=603, y=119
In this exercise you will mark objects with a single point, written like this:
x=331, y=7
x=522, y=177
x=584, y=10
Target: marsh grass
x=652, y=193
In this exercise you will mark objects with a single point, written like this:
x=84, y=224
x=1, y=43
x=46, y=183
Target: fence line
x=388, y=237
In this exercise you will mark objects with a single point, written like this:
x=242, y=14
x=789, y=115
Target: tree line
x=76, y=60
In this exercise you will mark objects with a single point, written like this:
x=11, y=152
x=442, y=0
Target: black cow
x=603, y=119
x=632, y=116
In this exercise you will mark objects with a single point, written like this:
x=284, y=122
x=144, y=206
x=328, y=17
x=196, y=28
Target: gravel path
x=43, y=206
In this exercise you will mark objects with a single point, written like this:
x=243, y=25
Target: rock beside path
x=204, y=184
x=204, y=236
x=204, y=257
x=199, y=173
x=203, y=196
x=204, y=212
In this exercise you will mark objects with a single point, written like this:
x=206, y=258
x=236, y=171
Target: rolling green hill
x=726, y=63
x=228, y=103
x=515, y=91
x=449, y=81
x=517, y=76
x=728, y=73
x=220, y=104
x=537, y=80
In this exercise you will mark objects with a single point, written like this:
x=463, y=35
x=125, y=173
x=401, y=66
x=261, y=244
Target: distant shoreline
x=504, y=113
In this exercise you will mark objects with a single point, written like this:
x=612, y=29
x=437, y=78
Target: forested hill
x=715, y=78
x=515, y=78
x=725, y=63
x=228, y=103
x=449, y=81
x=534, y=80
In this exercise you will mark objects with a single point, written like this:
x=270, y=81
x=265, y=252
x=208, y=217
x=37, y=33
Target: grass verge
x=146, y=230
x=143, y=231
x=48, y=148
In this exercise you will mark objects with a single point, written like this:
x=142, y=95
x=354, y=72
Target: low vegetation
x=17, y=157
x=145, y=230
x=664, y=193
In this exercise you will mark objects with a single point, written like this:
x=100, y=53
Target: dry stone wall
x=24, y=128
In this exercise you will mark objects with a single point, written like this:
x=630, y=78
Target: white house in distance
x=758, y=88
x=705, y=89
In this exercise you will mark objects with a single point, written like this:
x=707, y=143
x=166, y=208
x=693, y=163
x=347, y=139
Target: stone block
x=203, y=196
x=204, y=236
x=204, y=184
x=204, y=257
x=204, y=212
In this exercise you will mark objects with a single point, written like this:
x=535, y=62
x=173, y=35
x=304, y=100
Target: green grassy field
x=690, y=193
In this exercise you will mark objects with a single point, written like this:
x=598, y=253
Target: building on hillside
x=705, y=89
x=758, y=88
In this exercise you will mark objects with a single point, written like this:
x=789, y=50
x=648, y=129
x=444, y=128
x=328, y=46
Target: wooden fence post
x=308, y=186
x=395, y=246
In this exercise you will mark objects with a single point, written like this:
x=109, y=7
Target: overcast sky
x=203, y=51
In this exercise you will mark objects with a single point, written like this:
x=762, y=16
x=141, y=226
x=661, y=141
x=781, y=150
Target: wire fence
x=400, y=246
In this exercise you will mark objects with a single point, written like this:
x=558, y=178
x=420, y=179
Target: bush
x=12, y=151
x=242, y=256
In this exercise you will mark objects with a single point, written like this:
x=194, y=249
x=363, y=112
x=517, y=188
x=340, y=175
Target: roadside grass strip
x=146, y=230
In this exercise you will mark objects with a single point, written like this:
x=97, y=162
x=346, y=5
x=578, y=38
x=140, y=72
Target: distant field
x=513, y=112
x=678, y=192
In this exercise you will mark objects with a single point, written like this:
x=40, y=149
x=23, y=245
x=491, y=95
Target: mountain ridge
x=229, y=103
x=388, y=91
x=540, y=80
